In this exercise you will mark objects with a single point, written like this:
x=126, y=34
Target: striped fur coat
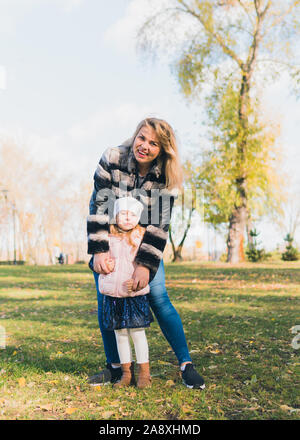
x=117, y=176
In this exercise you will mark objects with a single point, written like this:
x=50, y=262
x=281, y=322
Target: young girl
x=125, y=311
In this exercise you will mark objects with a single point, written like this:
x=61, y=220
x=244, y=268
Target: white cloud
x=122, y=34
x=109, y=121
x=77, y=150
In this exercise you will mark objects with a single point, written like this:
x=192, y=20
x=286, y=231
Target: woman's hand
x=140, y=278
x=111, y=264
x=102, y=263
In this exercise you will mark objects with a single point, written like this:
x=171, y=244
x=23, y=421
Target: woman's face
x=126, y=220
x=146, y=148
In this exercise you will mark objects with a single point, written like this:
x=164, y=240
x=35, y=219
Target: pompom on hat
x=128, y=204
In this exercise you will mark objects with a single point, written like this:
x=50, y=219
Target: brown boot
x=144, y=378
x=127, y=376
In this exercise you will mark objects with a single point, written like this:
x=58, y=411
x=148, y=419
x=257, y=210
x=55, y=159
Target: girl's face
x=126, y=220
x=146, y=147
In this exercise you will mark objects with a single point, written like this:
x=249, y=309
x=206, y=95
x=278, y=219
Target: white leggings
x=139, y=338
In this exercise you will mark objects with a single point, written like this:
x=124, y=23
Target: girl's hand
x=101, y=263
x=129, y=285
x=140, y=278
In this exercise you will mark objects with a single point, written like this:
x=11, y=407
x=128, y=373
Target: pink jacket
x=113, y=284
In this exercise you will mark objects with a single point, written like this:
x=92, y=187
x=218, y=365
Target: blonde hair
x=133, y=236
x=169, y=152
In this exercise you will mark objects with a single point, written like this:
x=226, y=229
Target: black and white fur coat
x=117, y=176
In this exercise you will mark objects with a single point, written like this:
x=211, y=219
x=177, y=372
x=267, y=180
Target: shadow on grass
x=262, y=274
x=33, y=357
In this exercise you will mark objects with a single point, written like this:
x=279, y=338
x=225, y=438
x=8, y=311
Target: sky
x=72, y=84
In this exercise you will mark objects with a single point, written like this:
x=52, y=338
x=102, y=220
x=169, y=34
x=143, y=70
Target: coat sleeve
x=155, y=238
x=98, y=219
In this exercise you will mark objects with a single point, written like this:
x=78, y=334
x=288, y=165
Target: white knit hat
x=128, y=204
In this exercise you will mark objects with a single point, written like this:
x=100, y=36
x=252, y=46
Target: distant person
x=145, y=167
x=125, y=311
x=61, y=258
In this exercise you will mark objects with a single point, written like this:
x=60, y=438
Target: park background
x=71, y=85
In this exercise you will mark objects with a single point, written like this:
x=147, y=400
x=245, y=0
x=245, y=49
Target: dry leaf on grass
x=287, y=408
x=70, y=410
x=186, y=409
x=107, y=414
x=22, y=382
x=46, y=407
x=115, y=403
x=97, y=388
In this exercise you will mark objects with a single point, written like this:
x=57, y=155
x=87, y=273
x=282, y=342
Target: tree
x=291, y=253
x=289, y=221
x=188, y=203
x=254, y=253
x=221, y=166
x=230, y=48
x=49, y=209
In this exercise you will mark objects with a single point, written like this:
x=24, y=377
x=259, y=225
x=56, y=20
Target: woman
x=146, y=167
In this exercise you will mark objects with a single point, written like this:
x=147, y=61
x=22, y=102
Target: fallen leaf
x=47, y=407
x=107, y=414
x=286, y=408
x=170, y=383
x=186, y=409
x=70, y=410
x=22, y=382
x=163, y=362
x=97, y=388
x=115, y=403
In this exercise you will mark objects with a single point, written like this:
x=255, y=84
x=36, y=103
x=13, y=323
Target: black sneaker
x=106, y=376
x=191, y=378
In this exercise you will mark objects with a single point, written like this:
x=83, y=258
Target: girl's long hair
x=169, y=155
x=133, y=236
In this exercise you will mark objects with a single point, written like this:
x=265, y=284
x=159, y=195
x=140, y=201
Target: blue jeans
x=165, y=313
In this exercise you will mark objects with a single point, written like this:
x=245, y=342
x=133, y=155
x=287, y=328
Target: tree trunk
x=177, y=251
x=236, y=235
x=177, y=256
x=238, y=218
x=249, y=227
x=172, y=242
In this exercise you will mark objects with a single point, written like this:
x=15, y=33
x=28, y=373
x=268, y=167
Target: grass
x=237, y=321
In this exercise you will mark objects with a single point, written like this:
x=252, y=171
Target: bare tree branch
x=213, y=33
x=282, y=16
x=246, y=11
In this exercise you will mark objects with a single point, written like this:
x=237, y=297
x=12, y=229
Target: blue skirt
x=128, y=312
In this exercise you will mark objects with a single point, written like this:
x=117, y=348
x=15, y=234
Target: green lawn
x=237, y=319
